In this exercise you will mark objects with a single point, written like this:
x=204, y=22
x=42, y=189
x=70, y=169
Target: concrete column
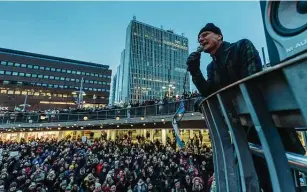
x=113, y=135
x=18, y=137
x=163, y=131
x=108, y=134
x=191, y=134
x=26, y=134
x=144, y=133
x=151, y=135
x=61, y=135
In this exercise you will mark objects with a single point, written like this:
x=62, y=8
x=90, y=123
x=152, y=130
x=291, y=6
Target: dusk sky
x=95, y=31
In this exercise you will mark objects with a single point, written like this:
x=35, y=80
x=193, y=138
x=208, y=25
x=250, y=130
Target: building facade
x=44, y=82
x=153, y=64
x=113, y=89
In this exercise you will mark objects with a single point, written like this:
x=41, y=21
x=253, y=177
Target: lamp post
x=163, y=88
x=170, y=87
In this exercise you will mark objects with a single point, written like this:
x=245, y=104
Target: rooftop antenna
x=134, y=17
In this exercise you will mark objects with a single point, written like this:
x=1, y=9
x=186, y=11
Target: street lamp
x=163, y=88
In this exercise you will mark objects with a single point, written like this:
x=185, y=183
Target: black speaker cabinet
x=285, y=26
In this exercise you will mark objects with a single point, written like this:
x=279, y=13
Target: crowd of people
x=123, y=165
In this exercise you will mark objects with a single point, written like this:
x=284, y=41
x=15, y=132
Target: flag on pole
x=180, y=110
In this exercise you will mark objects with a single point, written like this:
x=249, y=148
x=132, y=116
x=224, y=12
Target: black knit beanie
x=210, y=27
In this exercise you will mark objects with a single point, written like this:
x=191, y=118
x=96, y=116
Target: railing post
x=280, y=174
x=248, y=174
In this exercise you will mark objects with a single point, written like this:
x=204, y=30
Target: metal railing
x=133, y=112
x=263, y=109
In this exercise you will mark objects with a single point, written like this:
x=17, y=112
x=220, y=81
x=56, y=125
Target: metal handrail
x=141, y=111
x=296, y=161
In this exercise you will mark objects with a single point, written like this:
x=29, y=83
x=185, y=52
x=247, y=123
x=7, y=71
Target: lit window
x=42, y=68
x=64, y=70
x=1, y=72
x=57, y=78
x=91, y=89
x=3, y=62
x=82, y=73
x=96, y=75
x=17, y=65
x=99, y=89
x=17, y=92
x=30, y=66
x=77, y=80
x=99, y=82
x=10, y=92
x=78, y=72
x=15, y=73
x=95, y=89
x=36, y=93
x=74, y=72
x=65, y=95
x=46, y=76
x=24, y=65
x=58, y=70
x=68, y=71
x=47, y=68
x=44, y=84
x=72, y=79
x=92, y=74
x=62, y=78
x=87, y=73
x=8, y=73
x=34, y=75
x=50, y=85
x=10, y=64
x=100, y=75
x=24, y=93
x=38, y=84
x=56, y=86
x=35, y=67
x=67, y=79
x=95, y=82
x=52, y=69
x=40, y=76
x=65, y=86
x=3, y=91
x=6, y=82
x=28, y=75
x=51, y=77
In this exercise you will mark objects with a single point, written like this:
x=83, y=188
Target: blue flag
x=180, y=110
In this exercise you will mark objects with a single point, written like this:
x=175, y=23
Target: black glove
x=193, y=62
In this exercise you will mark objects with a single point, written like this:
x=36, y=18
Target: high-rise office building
x=113, y=90
x=153, y=63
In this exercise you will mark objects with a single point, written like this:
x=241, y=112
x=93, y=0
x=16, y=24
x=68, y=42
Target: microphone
x=200, y=49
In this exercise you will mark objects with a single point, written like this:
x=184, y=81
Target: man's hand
x=193, y=62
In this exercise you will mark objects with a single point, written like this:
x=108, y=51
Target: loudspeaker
x=285, y=27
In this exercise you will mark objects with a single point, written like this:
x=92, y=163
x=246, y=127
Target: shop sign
x=4, y=108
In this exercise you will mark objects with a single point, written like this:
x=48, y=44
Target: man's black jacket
x=232, y=62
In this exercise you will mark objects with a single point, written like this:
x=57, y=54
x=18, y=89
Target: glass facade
x=154, y=64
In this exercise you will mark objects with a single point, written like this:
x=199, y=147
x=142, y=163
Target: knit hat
x=210, y=27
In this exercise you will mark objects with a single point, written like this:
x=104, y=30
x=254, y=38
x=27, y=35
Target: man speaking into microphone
x=230, y=61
